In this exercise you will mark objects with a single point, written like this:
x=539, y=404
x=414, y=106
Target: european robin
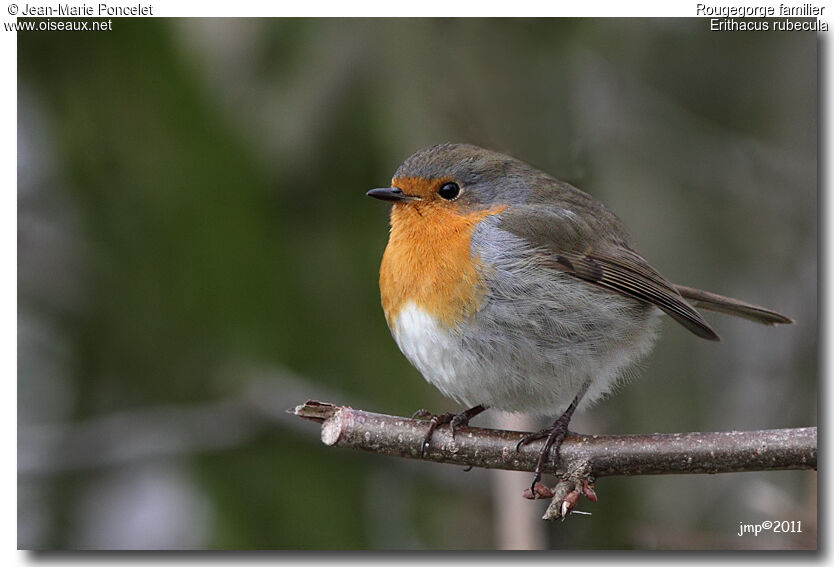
x=509, y=289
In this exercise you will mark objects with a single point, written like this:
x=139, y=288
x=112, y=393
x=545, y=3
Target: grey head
x=483, y=179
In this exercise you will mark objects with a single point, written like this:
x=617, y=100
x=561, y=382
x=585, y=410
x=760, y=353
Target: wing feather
x=582, y=248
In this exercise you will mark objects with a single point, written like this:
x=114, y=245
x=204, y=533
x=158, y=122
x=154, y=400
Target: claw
x=555, y=436
x=530, y=437
x=454, y=421
x=433, y=423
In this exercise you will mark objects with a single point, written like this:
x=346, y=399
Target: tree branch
x=599, y=455
x=582, y=458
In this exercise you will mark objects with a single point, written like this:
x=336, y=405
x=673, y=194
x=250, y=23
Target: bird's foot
x=454, y=420
x=434, y=422
x=554, y=436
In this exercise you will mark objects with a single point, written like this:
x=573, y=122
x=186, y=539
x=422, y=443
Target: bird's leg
x=554, y=435
x=454, y=420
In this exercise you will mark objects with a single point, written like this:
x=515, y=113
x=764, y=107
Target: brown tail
x=721, y=304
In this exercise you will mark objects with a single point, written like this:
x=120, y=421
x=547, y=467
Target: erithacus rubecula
x=507, y=288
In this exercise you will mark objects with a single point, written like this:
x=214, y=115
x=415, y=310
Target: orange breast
x=428, y=262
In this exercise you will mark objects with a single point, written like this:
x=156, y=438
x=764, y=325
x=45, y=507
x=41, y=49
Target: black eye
x=449, y=191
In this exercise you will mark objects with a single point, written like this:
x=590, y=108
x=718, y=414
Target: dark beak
x=391, y=194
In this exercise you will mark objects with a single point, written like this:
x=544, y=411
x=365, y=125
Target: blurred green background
x=196, y=255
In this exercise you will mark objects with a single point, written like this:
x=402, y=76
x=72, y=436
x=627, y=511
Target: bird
x=509, y=289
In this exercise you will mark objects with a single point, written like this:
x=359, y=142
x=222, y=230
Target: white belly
x=510, y=372
x=433, y=350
